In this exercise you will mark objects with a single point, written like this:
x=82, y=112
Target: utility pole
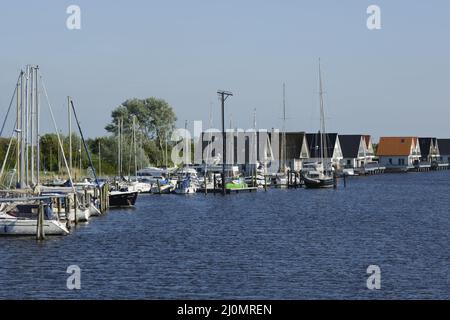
x=223, y=95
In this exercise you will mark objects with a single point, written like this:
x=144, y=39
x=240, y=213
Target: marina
x=215, y=247
x=230, y=157
x=35, y=205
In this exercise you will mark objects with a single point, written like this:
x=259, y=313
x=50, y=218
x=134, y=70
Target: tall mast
x=18, y=128
x=22, y=131
x=166, y=160
x=38, y=148
x=134, y=146
x=69, y=118
x=27, y=125
x=255, y=150
x=32, y=124
x=208, y=148
x=119, y=146
x=99, y=159
x=59, y=159
x=186, y=143
x=323, y=143
x=80, y=157
x=283, y=141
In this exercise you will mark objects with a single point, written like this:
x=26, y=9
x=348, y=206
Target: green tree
x=49, y=152
x=155, y=122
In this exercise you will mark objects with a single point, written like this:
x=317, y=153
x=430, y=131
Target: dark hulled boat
x=322, y=176
x=317, y=182
x=122, y=198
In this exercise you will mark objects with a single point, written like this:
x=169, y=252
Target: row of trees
x=153, y=125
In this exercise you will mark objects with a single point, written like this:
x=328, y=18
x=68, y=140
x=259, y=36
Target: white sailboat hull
x=27, y=227
x=94, y=211
x=188, y=190
x=82, y=215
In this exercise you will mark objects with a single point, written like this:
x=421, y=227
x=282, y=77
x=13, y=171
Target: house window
x=390, y=160
x=401, y=162
x=349, y=162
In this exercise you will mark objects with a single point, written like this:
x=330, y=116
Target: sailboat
x=280, y=178
x=20, y=218
x=122, y=196
x=321, y=176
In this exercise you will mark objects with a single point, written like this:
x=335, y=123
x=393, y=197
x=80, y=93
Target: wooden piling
x=102, y=199
x=88, y=200
x=334, y=180
x=215, y=183
x=58, y=205
x=159, y=186
x=289, y=182
x=107, y=195
x=223, y=184
x=40, y=232
x=67, y=208
x=75, y=205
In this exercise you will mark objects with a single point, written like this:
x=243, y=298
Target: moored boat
x=22, y=221
x=236, y=183
x=186, y=186
x=122, y=198
x=314, y=180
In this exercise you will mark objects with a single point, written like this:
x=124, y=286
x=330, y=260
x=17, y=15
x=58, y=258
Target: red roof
x=396, y=146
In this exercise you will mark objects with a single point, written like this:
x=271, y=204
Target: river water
x=280, y=244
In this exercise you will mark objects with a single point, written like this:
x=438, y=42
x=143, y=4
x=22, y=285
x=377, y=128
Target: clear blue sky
x=393, y=81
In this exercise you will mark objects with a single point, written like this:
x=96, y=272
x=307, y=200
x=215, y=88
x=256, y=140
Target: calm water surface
x=283, y=244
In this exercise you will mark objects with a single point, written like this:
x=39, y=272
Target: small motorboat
x=122, y=198
x=236, y=183
x=164, y=186
x=186, y=186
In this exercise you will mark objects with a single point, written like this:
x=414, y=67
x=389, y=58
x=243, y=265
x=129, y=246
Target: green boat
x=236, y=183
